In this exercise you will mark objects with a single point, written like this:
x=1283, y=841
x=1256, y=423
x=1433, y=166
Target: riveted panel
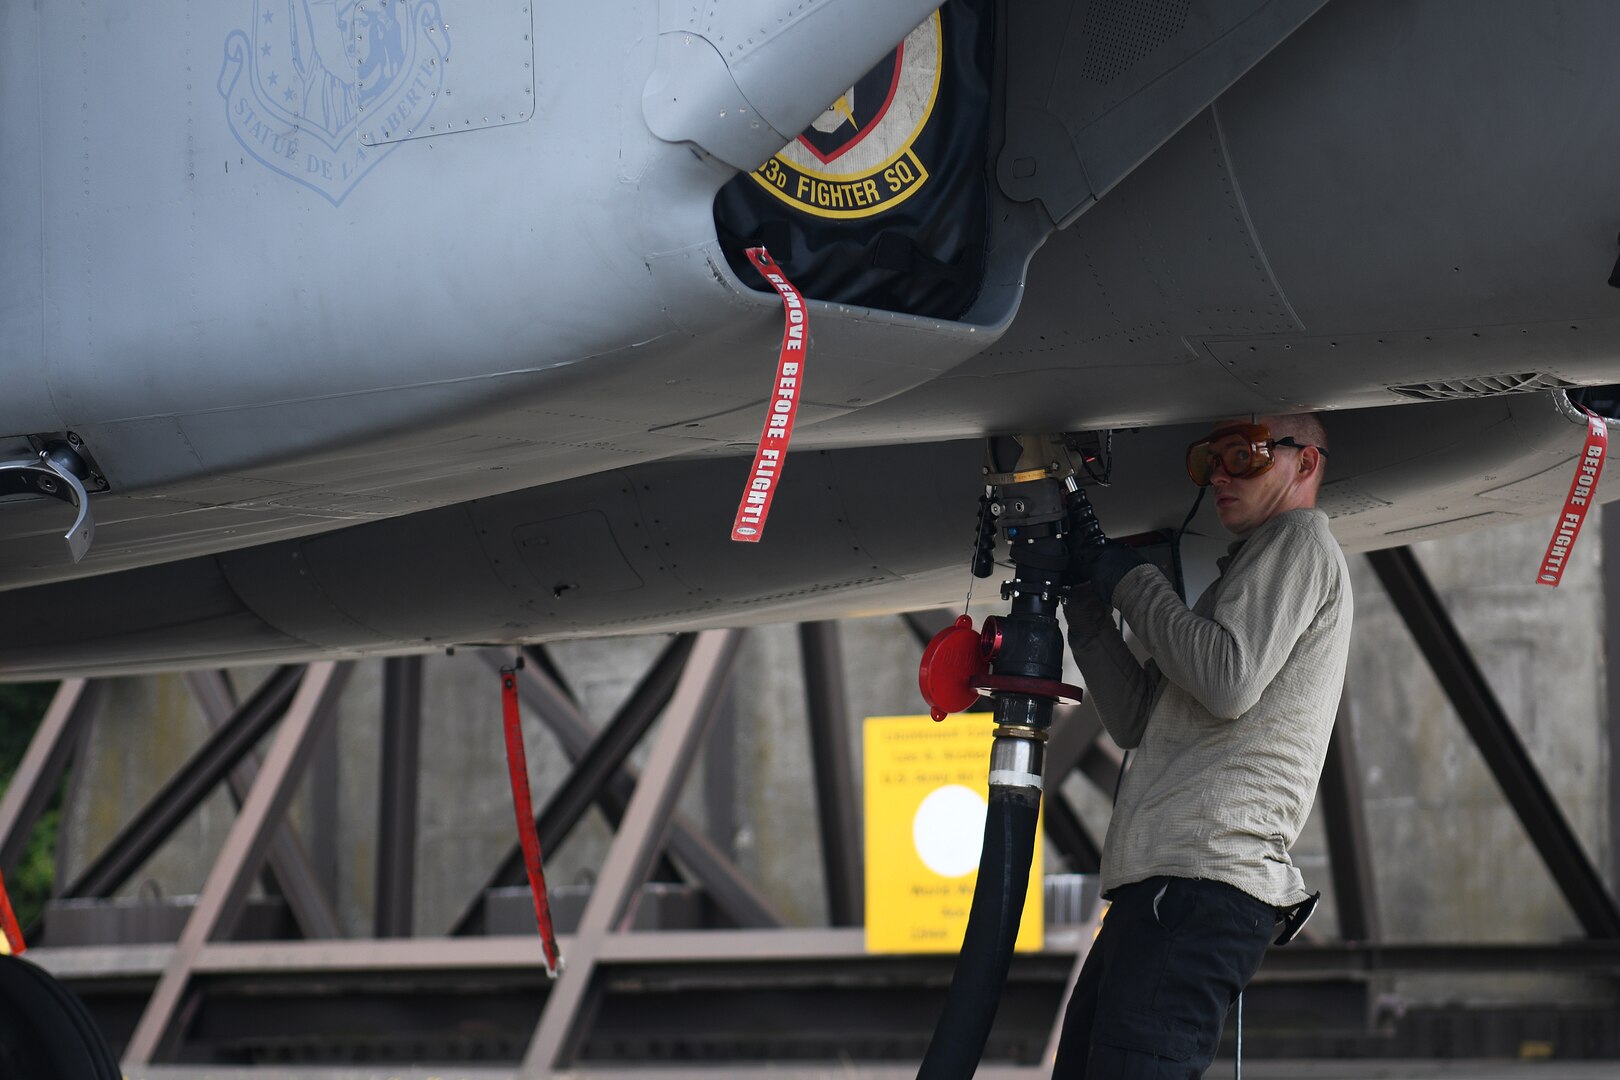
x=575, y=553
x=434, y=67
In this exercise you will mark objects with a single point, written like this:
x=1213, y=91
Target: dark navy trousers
x=1153, y=994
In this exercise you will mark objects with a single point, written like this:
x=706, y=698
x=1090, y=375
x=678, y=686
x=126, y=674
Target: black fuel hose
x=987, y=945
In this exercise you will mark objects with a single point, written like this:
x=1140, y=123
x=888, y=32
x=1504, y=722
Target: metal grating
x=1122, y=32
x=1481, y=387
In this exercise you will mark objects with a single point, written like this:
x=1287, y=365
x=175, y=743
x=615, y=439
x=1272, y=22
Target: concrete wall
x=145, y=729
x=1451, y=857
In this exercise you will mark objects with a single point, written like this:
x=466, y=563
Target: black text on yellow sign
x=926, y=791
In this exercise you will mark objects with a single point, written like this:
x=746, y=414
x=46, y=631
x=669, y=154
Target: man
x=1228, y=725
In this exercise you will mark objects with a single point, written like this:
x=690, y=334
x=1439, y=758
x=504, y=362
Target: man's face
x=1245, y=503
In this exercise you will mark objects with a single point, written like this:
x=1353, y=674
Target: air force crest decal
x=322, y=90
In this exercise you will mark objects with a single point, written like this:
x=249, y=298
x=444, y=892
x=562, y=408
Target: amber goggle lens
x=1242, y=450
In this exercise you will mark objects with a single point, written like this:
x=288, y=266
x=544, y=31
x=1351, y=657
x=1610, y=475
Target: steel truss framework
x=760, y=990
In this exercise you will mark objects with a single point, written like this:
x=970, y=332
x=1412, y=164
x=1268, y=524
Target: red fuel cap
x=950, y=664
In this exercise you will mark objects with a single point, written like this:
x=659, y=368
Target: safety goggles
x=1242, y=450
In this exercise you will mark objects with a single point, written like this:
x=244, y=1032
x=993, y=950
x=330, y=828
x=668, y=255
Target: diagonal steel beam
x=832, y=760
x=539, y=654
x=720, y=773
x=212, y=693
x=186, y=789
x=1075, y=743
x=1349, y=855
x=595, y=768
x=1101, y=764
x=925, y=624
x=1069, y=834
x=220, y=901
x=42, y=766
x=592, y=773
x=635, y=846
x=1075, y=731
x=1498, y=743
x=733, y=894
x=400, y=768
x=615, y=796
x=726, y=886
x=1611, y=655
x=288, y=862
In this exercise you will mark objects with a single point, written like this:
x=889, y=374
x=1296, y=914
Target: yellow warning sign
x=926, y=792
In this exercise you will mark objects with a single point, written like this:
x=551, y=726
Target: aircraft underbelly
x=261, y=342
x=644, y=548
x=1396, y=195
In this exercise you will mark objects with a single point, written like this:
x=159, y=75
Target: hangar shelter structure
x=677, y=960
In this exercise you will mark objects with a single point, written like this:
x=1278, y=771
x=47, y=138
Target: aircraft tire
x=45, y=1031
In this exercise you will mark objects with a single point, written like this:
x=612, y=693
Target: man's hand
x=1102, y=565
x=1093, y=557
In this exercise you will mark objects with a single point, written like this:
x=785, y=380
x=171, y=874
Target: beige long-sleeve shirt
x=1229, y=722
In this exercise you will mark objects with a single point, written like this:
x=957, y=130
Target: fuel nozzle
x=1017, y=658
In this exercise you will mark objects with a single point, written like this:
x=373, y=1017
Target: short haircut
x=1306, y=428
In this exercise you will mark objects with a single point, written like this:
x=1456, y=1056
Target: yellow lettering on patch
x=855, y=197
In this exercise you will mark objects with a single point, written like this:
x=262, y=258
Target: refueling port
x=990, y=638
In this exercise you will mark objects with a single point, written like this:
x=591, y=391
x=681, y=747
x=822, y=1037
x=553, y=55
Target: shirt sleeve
x=1122, y=689
x=1275, y=588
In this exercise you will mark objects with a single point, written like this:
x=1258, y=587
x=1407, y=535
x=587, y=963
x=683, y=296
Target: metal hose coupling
x=1017, y=758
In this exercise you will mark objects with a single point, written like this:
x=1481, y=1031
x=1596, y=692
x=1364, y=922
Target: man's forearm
x=1118, y=684
x=1227, y=660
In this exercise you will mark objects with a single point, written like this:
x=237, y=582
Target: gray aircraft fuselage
x=402, y=286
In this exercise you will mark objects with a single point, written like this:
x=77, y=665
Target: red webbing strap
x=517, y=765
x=783, y=409
x=8, y=923
x=1587, y=470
